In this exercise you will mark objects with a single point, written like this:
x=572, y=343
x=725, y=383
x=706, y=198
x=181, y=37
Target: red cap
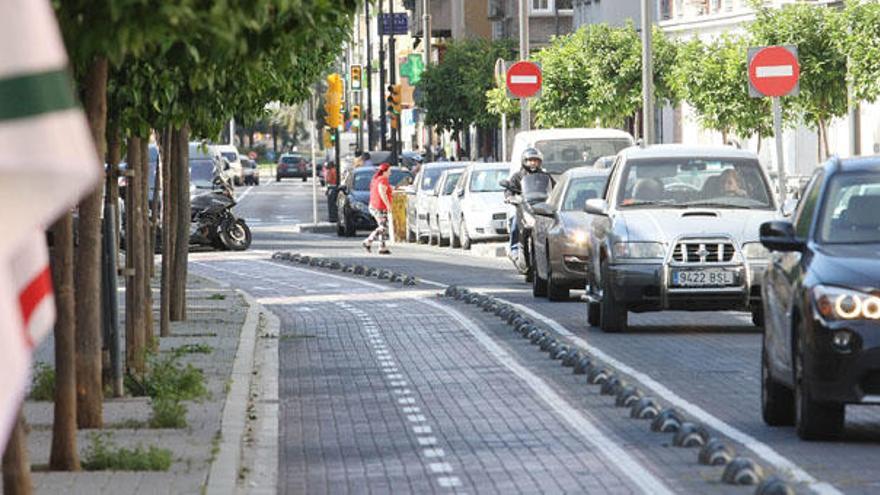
x=384, y=166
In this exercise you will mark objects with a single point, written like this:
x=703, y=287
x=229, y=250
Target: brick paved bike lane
x=382, y=392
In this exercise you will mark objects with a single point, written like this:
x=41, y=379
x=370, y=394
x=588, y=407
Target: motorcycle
x=535, y=189
x=214, y=224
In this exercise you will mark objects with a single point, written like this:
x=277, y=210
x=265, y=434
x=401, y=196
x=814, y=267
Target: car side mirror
x=788, y=207
x=596, y=207
x=779, y=236
x=459, y=192
x=543, y=210
x=226, y=166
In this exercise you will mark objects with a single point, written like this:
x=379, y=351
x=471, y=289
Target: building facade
x=547, y=18
x=613, y=12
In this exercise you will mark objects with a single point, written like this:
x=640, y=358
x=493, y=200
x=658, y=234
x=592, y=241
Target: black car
x=353, y=199
x=821, y=347
x=293, y=165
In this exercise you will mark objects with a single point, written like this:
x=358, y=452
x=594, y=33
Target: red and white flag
x=48, y=163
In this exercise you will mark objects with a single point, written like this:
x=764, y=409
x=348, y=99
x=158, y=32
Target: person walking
x=380, y=203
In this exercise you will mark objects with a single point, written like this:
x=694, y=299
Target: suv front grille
x=703, y=252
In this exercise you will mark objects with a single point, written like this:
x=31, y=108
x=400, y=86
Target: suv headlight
x=836, y=303
x=755, y=251
x=578, y=237
x=639, y=250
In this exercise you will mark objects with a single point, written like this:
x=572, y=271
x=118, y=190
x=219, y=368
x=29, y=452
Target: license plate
x=702, y=278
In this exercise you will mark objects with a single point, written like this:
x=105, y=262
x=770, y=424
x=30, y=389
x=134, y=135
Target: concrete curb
x=223, y=473
x=310, y=228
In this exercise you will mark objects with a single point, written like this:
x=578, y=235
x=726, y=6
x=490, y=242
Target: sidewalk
x=219, y=319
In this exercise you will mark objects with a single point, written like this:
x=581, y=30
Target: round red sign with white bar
x=524, y=79
x=774, y=71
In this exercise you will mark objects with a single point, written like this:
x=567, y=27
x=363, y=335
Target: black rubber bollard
x=644, y=408
x=668, y=421
x=612, y=385
x=715, y=453
x=571, y=358
x=690, y=435
x=627, y=396
x=774, y=485
x=742, y=471
x=581, y=365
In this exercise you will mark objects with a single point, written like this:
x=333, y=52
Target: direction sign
x=773, y=71
x=396, y=23
x=524, y=79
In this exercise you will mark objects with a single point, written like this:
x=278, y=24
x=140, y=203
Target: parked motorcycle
x=535, y=189
x=214, y=224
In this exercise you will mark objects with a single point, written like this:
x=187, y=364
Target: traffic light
x=333, y=100
x=355, y=77
x=393, y=102
x=355, y=112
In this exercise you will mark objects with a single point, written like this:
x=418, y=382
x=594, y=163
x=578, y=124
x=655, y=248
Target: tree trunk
x=16, y=466
x=64, y=455
x=89, y=387
x=182, y=216
x=169, y=154
x=823, y=145
x=149, y=240
x=275, y=138
x=134, y=264
x=114, y=157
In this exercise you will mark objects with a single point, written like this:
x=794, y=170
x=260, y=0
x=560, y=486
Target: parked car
x=478, y=209
x=420, y=196
x=821, y=347
x=353, y=198
x=231, y=154
x=560, y=237
x=567, y=148
x=250, y=172
x=678, y=230
x=440, y=209
x=410, y=159
x=293, y=165
x=152, y=169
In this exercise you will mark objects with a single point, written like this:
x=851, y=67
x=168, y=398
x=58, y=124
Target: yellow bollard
x=398, y=216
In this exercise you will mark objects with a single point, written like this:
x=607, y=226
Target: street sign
x=356, y=78
x=397, y=23
x=524, y=79
x=773, y=71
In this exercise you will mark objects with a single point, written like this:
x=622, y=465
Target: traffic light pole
x=392, y=70
x=370, y=139
x=383, y=120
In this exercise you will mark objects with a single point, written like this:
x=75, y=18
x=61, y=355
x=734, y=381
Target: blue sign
x=394, y=24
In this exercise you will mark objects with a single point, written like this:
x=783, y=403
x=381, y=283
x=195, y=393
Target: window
x=550, y=6
x=488, y=180
x=849, y=215
x=582, y=189
x=541, y=6
x=803, y=217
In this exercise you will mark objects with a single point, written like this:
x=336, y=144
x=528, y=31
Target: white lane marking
x=774, y=71
x=762, y=450
x=416, y=418
x=626, y=464
x=411, y=410
x=448, y=481
x=394, y=376
x=406, y=400
x=389, y=369
x=399, y=383
x=244, y=194
x=440, y=467
x=433, y=453
x=426, y=441
x=422, y=430
x=403, y=391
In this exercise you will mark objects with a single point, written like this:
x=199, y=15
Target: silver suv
x=678, y=229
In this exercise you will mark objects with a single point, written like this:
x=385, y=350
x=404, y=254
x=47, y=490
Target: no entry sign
x=773, y=71
x=524, y=79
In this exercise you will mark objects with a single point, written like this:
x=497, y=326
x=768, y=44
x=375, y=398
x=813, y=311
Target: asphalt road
x=704, y=364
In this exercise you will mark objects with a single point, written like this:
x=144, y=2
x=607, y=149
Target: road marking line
x=406, y=400
x=578, y=420
x=400, y=383
x=422, y=430
x=440, y=467
x=394, y=376
x=412, y=409
x=416, y=418
x=244, y=195
x=449, y=481
x=403, y=391
x=426, y=441
x=432, y=453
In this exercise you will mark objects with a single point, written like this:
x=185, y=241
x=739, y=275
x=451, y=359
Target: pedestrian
x=380, y=203
x=365, y=160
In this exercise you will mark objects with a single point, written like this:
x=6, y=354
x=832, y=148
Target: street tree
x=860, y=42
x=814, y=30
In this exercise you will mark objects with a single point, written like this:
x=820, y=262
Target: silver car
x=478, y=209
x=440, y=209
x=419, y=198
x=560, y=240
x=678, y=229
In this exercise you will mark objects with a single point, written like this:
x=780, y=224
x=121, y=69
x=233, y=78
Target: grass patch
x=128, y=424
x=43, y=383
x=168, y=412
x=167, y=383
x=200, y=348
x=102, y=455
x=217, y=297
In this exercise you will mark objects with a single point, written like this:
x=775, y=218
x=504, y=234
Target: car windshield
x=429, y=181
x=680, y=182
x=291, y=159
x=201, y=173
x=488, y=180
x=581, y=189
x=363, y=177
x=451, y=181
x=563, y=154
x=230, y=156
x=850, y=211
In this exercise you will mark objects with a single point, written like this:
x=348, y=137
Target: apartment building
x=547, y=18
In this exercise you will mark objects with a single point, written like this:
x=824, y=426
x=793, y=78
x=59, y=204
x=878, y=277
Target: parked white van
x=568, y=148
x=230, y=154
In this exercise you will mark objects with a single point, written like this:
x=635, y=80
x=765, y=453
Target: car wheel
x=612, y=315
x=814, y=420
x=539, y=285
x=454, y=241
x=465, y=237
x=758, y=316
x=441, y=241
x=340, y=228
x=593, y=314
x=350, y=226
x=277, y=179
x=305, y=179
x=555, y=292
x=777, y=400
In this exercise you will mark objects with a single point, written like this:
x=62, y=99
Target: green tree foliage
x=454, y=91
x=713, y=78
x=815, y=31
x=860, y=40
x=593, y=76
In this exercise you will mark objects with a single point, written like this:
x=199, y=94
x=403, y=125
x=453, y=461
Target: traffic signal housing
x=393, y=105
x=333, y=100
x=355, y=112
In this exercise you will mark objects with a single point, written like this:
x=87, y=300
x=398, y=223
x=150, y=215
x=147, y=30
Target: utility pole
x=647, y=73
x=392, y=76
x=370, y=140
x=525, y=117
x=383, y=118
x=426, y=41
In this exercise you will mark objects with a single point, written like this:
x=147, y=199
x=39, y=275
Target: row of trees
x=593, y=76
x=176, y=70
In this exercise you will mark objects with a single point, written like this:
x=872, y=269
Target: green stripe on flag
x=35, y=94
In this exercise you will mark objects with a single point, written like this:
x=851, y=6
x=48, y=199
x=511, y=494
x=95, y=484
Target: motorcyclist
x=531, y=163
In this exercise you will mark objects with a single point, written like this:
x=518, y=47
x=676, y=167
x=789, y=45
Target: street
x=389, y=388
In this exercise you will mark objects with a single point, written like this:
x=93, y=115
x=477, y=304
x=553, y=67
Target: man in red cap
x=380, y=203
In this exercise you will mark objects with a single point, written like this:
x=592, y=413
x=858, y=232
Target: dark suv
x=293, y=165
x=821, y=346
